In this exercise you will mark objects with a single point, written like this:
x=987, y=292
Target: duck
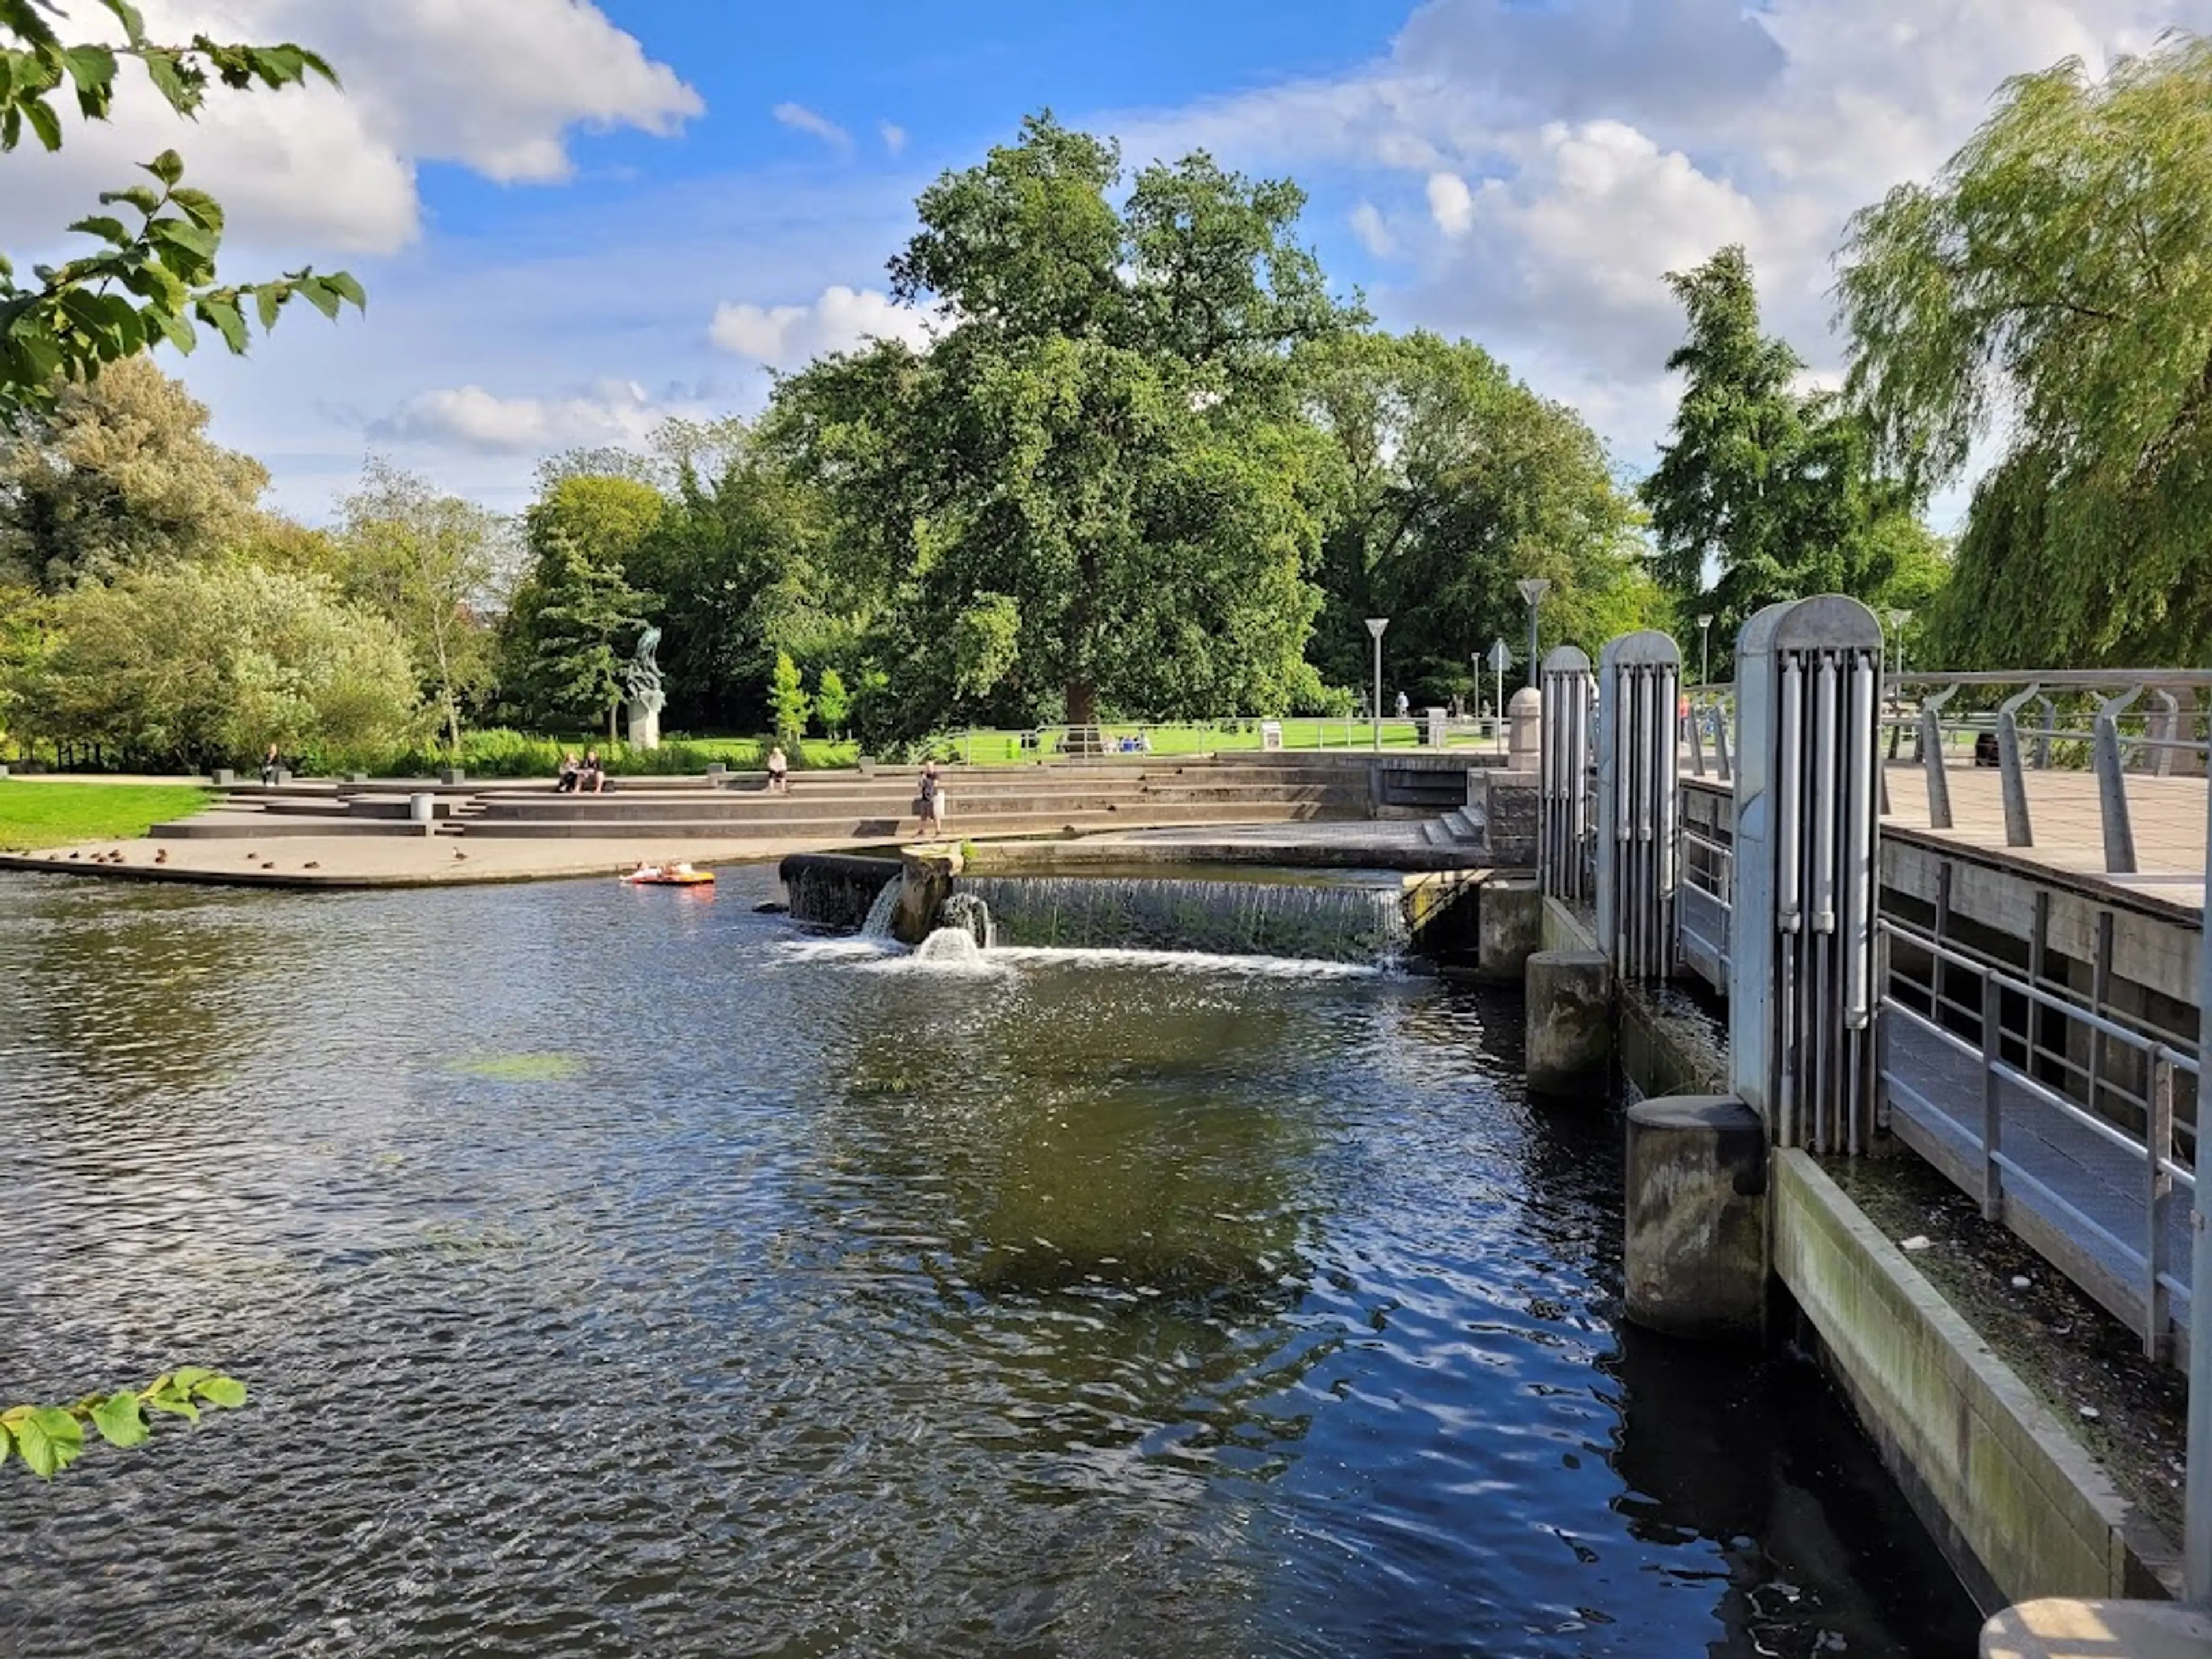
x=312, y=864
x=458, y=854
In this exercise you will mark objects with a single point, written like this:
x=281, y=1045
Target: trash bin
x=1433, y=725
x=422, y=809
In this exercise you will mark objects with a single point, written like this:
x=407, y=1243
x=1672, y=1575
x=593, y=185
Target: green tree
x=581, y=610
x=1764, y=493
x=147, y=281
x=1102, y=444
x=182, y=666
x=1455, y=481
x=2049, y=290
x=788, y=702
x=734, y=560
x=116, y=474
x=832, y=702
x=427, y=562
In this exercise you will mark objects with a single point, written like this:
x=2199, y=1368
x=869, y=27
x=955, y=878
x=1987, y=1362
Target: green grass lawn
x=34, y=814
x=1004, y=747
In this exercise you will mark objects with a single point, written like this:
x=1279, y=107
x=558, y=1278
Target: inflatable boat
x=654, y=875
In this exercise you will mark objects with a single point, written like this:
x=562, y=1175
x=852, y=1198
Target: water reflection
x=626, y=1277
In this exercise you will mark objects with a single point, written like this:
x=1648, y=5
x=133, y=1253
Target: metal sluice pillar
x=1801, y=989
x=1564, y=739
x=1638, y=798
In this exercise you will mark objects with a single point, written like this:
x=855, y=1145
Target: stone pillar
x=1509, y=928
x=644, y=725
x=1569, y=1023
x=926, y=876
x=1524, y=726
x=1697, y=1250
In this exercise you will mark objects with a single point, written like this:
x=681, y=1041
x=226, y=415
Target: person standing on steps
x=929, y=801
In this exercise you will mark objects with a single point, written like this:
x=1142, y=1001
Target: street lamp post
x=1705, y=627
x=1501, y=659
x=1375, y=627
x=1533, y=589
x=1897, y=619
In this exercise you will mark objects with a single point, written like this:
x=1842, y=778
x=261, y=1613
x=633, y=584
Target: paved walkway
x=392, y=860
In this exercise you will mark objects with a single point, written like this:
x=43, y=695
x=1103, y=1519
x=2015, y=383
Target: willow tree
x=2049, y=295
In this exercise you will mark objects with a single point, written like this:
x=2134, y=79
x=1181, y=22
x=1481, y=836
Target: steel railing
x=1138, y=739
x=2037, y=1103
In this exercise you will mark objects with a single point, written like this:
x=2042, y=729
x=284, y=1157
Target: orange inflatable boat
x=675, y=875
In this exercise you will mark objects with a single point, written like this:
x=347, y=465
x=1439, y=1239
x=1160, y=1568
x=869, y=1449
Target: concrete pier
x=1695, y=1202
x=1570, y=1029
x=1510, y=928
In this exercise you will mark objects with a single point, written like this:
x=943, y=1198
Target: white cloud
x=1572, y=153
x=496, y=85
x=472, y=418
x=1451, y=204
x=1367, y=224
x=800, y=119
x=789, y=336
x=894, y=137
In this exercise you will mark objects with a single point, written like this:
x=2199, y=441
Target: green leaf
x=343, y=284
x=174, y=328
x=186, y=1376
x=146, y=201
x=182, y=233
x=222, y=315
x=50, y=1440
x=268, y=301
x=43, y=122
x=120, y=1420
x=109, y=229
x=7, y=1441
x=161, y=69
x=317, y=293
x=134, y=25
x=92, y=68
x=166, y=1398
x=168, y=167
x=226, y=1391
x=206, y=212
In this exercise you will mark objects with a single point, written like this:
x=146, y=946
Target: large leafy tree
x=583, y=611
x=1094, y=492
x=2048, y=292
x=152, y=280
x=429, y=563
x=1457, y=481
x=118, y=473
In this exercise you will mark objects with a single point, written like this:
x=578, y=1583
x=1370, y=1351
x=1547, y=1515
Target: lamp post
x=1533, y=589
x=1705, y=627
x=1897, y=619
x=1375, y=627
x=1501, y=659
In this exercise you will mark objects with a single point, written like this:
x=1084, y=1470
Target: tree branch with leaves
x=153, y=280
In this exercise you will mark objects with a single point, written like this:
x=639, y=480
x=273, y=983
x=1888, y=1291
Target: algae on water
x=522, y=1068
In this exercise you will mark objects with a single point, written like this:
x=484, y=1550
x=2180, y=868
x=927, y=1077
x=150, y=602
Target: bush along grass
x=497, y=752
x=35, y=813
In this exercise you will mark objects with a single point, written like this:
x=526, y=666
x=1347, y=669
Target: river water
x=625, y=1272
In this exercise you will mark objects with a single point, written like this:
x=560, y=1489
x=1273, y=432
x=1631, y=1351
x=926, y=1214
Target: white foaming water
x=1194, y=962
x=879, y=924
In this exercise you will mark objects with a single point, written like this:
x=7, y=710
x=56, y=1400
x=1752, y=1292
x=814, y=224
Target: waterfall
x=879, y=922
x=970, y=913
x=834, y=891
x=1326, y=922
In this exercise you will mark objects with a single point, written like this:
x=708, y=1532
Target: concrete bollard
x=222, y=777
x=1697, y=1252
x=1524, y=730
x=420, y=809
x=452, y=775
x=1569, y=1023
x=1509, y=928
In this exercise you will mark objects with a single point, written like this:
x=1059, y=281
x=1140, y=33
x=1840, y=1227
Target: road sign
x=1501, y=657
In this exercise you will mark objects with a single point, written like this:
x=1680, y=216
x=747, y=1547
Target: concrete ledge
x=2056, y=1628
x=2021, y=1509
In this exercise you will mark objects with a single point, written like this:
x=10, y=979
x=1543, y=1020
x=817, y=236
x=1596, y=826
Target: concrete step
x=885, y=827
x=966, y=802
x=257, y=826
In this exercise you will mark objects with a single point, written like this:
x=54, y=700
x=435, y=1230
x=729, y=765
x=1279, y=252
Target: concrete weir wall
x=2018, y=1507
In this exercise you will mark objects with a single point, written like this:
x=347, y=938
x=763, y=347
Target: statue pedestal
x=644, y=726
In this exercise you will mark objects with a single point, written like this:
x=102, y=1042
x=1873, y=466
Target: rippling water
x=622, y=1271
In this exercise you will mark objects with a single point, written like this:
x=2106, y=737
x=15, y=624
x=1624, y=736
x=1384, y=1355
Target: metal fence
x=2077, y=1128
x=1138, y=739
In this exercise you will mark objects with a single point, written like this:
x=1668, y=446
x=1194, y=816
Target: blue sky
x=575, y=219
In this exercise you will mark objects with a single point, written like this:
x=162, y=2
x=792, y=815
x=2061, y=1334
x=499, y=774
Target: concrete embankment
x=2019, y=1505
